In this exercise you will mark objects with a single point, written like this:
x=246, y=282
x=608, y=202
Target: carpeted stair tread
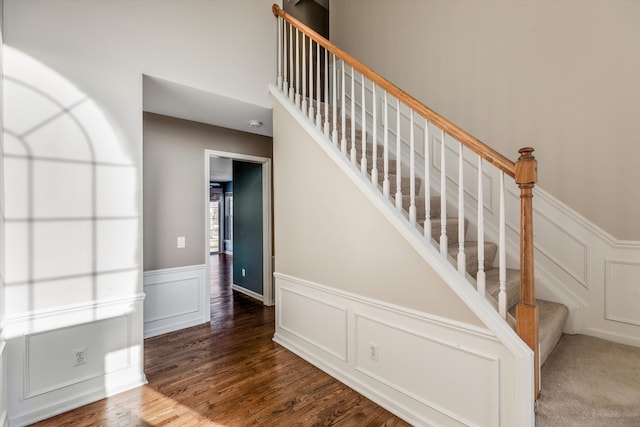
x=492, y=285
x=380, y=164
x=552, y=318
x=405, y=184
x=452, y=229
x=471, y=251
x=420, y=206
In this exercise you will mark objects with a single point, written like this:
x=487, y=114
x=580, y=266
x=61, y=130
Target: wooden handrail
x=469, y=141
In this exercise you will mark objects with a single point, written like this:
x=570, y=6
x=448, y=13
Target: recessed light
x=253, y=124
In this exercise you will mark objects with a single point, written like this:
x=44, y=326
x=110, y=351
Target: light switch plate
x=181, y=242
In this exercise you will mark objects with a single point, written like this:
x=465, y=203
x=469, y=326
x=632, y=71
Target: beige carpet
x=590, y=382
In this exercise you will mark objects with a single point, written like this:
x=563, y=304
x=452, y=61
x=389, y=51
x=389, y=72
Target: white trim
x=161, y=287
x=73, y=402
x=387, y=306
x=69, y=315
x=267, y=278
x=28, y=393
x=248, y=292
x=401, y=393
x=27, y=406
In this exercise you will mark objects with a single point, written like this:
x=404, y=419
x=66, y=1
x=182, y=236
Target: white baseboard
x=421, y=360
x=176, y=298
x=247, y=292
x=69, y=404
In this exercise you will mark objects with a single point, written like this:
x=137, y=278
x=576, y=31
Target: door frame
x=267, y=252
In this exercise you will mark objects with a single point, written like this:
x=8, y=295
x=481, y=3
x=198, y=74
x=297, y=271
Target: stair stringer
x=499, y=328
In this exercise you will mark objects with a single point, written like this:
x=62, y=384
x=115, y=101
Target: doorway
x=226, y=224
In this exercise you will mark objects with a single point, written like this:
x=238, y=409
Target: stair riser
x=471, y=254
x=452, y=230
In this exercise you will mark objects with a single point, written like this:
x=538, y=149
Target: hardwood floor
x=229, y=373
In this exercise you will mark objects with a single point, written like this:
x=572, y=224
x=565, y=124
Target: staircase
x=348, y=99
x=552, y=316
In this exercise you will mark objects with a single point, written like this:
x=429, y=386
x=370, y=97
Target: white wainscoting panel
x=411, y=362
x=427, y=370
x=4, y=420
x=43, y=380
x=622, y=288
x=176, y=298
x=300, y=319
x=50, y=361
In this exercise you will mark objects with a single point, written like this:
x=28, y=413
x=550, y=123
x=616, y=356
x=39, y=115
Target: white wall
x=3, y=401
x=74, y=169
x=556, y=76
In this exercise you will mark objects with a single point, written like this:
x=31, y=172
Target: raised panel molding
x=49, y=355
x=423, y=361
x=407, y=360
x=175, y=299
x=298, y=314
x=622, y=292
x=43, y=380
x=4, y=421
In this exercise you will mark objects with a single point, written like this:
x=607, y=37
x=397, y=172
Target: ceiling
x=168, y=98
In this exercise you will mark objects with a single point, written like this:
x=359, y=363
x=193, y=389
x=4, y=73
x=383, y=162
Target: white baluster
x=318, y=85
x=297, y=97
x=443, y=198
x=363, y=159
x=285, y=56
x=334, y=134
x=385, y=153
x=427, y=183
x=462, y=259
x=280, y=21
x=304, y=74
x=311, y=110
x=353, y=117
x=412, y=173
x=481, y=276
x=291, y=63
x=374, y=136
x=398, y=158
x=343, y=116
x=326, y=92
x=502, y=255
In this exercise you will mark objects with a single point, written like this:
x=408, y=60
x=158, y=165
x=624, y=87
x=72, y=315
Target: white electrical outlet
x=181, y=242
x=80, y=356
x=373, y=351
x=244, y=273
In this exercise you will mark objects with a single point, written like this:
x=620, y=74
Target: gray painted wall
x=555, y=75
x=173, y=182
x=247, y=226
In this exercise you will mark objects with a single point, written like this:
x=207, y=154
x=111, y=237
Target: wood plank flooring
x=229, y=373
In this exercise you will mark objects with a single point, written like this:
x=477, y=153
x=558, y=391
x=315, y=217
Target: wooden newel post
x=527, y=309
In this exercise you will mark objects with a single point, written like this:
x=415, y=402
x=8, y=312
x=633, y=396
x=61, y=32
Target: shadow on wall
x=72, y=217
